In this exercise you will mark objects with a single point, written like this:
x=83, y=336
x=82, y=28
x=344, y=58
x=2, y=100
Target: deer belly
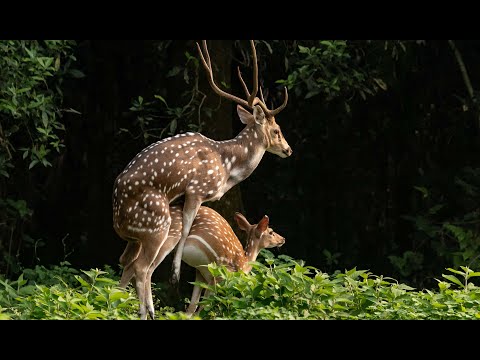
x=198, y=252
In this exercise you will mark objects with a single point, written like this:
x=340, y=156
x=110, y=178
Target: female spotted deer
x=211, y=239
x=192, y=165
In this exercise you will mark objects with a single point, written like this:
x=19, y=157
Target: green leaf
x=161, y=99
x=173, y=126
x=422, y=189
x=30, y=53
x=174, y=71
x=45, y=119
x=312, y=93
x=23, y=90
x=82, y=281
x=57, y=63
x=119, y=295
x=32, y=164
x=380, y=83
x=95, y=315
x=77, y=74
x=303, y=49
x=434, y=209
x=456, y=271
x=48, y=61
x=453, y=279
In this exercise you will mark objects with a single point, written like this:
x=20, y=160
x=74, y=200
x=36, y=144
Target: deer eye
x=276, y=131
x=271, y=232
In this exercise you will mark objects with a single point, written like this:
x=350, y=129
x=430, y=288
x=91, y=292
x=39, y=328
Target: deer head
x=259, y=234
x=261, y=117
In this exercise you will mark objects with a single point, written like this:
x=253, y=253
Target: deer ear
x=242, y=222
x=262, y=226
x=258, y=115
x=245, y=116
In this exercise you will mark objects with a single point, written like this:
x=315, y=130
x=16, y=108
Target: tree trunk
x=219, y=126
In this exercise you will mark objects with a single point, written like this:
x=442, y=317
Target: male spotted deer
x=192, y=165
x=211, y=239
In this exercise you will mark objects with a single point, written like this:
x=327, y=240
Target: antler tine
x=261, y=96
x=255, y=73
x=243, y=83
x=208, y=66
x=205, y=65
x=281, y=107
x=251, y=97
x=204, y=44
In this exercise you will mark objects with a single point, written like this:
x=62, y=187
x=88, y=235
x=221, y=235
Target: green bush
x=276, y=288
x=65, y=293
x=287, y=289
x=32, y=74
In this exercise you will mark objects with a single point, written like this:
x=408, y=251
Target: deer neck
x=242, y=154
x=251, y=252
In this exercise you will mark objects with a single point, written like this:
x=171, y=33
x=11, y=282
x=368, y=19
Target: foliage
x=384, y=172
x=284, y=288
x=276, y=288
x=332, y=68
x=32, y=73
x=31, y=131
x=64, y=293
x=156, y=119
x=454, y=236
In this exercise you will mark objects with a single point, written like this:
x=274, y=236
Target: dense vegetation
x=276, y=288
x=384, y=174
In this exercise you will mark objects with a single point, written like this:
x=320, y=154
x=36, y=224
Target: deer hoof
x=152, y=314
x=174, y=279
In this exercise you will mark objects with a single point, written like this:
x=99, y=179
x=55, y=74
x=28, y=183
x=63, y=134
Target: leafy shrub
x=276, y=288
x=65, y=293
x=31, y=131
x=287, y=289
x=447, y=234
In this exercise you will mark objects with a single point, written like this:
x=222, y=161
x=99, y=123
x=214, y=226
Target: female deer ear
x=258, y=115
x=242, y=222
x=245, y=116
x=262, y=226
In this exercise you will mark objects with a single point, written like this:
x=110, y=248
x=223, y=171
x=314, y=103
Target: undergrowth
x=276, y=288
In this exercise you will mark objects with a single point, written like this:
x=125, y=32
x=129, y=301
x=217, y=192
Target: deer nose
x=288, y=151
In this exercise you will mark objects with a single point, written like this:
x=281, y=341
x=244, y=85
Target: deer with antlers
x=211, y=240
x=193, y=166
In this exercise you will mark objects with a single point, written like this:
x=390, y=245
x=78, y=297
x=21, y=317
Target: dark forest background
x=384, y=174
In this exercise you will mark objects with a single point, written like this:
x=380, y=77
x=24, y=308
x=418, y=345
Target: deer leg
x=151, y=244
x=165, y=249
x=127, y=275
x=197, y=290
x=190, y=209
x=210, y=280
x=127, y=259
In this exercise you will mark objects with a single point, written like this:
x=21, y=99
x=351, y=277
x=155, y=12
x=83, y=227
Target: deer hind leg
x=165, y=249
x=151, y=244
x=190, y=209
x=207, y=278
x=127, y=259
x=197, y=291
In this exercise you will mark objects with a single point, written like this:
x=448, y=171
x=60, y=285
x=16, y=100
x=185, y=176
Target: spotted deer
x=211, y=240
x=193, y=166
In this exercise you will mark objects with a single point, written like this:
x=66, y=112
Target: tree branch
x=463, y=69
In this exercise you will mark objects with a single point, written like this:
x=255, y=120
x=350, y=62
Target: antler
x=252, y=98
